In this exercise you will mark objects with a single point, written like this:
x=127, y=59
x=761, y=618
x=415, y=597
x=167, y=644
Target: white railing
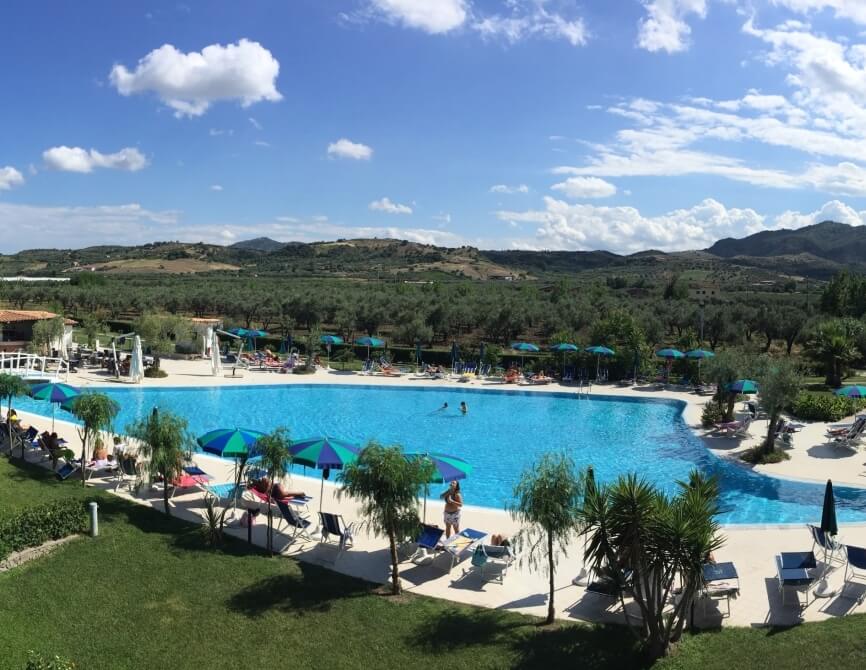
x=34, y=366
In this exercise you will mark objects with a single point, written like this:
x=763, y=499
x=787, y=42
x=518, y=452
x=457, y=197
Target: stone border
x=18, y=558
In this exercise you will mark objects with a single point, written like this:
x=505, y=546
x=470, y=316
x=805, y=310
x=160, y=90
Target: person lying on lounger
x=279, y=491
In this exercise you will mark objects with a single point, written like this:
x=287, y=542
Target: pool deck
x=524, y=590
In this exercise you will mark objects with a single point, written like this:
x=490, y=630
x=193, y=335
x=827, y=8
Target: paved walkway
x=524, y=590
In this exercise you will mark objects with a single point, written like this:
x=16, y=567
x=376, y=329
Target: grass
x=146, y=593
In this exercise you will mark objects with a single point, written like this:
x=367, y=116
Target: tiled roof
x=15, y=315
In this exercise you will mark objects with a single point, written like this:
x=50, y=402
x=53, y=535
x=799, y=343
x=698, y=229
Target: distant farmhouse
x=16, y=329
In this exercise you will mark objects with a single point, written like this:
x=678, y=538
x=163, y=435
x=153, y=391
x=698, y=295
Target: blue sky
x=545, y=124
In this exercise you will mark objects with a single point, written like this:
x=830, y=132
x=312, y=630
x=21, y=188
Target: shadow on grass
x=532, y=646
x=309, y=589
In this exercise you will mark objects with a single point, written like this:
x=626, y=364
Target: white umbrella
x=136, y=365
x=216, y=363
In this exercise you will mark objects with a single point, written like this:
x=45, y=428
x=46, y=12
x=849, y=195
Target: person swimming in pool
x=463, y=408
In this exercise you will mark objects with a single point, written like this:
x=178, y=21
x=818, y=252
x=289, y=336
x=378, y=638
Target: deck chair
x=852, y=438
x=855, y=568
x=798, y=570
x=464, y=542
x=332, y=525
x=127, y=474
x=491, y=557
x=294, y=520
x=67, y=470
x=831, y=548
x=426, y=543
x=567, y=374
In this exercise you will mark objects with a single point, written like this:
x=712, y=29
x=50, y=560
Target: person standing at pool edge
x=453, y=504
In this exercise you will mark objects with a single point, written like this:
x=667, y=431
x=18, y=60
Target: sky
x=621, y=125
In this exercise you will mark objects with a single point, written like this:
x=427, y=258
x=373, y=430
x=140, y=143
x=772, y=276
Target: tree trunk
x=9, y=425
x=770, y=443
x=550, y=569
x=165, y=483
x=395, y=570
x=85, y=437
x=270, y=543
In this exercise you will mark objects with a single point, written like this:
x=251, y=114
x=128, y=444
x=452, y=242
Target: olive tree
x=96, y=412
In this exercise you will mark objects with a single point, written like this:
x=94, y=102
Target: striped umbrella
x=599, y=351
x=524, y=347
x=742, y=386
x=699, y=355
x=369, y=342
x=329, y=341
x=445, y=469
x=229, y=442
x=323, y=453
x=855, y=391
x=57, y=393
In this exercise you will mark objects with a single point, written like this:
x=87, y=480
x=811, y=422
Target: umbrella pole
x=53, y=410
x=426, y=493
x=322, y=491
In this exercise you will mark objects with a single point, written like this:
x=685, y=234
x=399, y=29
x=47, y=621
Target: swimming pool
x=503, y=433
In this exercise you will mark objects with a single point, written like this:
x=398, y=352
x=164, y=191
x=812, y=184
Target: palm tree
x=639, y=536
x=166, y=443
x=833, y=344
x=387, y=484
x=96, y=411
x=547, y=500
x=275, y=459
x=10, y=387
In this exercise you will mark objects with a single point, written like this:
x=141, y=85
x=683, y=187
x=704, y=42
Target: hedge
x=36, y=525
x=823, y=407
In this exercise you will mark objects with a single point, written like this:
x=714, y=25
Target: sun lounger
x=855, y=568
x=460, y=545
x=720, y=581
x=294, y=519
x=832, y=549
x=735, y=428
x=333, y=526
x=222, y=494
x=495, y=558
x=798, y=570
x=427, y=542
x=101, y=468
x=851, y=439
x=66, y=470
x=258, y=496
x=842, y=429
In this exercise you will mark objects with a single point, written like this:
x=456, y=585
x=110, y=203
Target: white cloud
x=561, y=225
x=385, y=205
x=438, y=16
x=216, y=187
x=66, y=227
x=344, y=148
x=444, y=219
x=190, y=82
x=262, y=143
x=665, y=28
x=509, y=190
x=216, y=132
x=830, y=211
x=844, y=9
x=10, y=177
x=531, y=21
x=76, y=159
x=288, y=219
x=585, y=187
x=255, y=124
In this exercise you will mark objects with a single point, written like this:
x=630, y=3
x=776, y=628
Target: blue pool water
x=503, y=433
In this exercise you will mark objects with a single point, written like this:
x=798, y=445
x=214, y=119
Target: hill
x=817, y=251
x=265, y=244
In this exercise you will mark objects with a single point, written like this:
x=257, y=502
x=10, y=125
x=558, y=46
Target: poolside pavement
x=752, y=549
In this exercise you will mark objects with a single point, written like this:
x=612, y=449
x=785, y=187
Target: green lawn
x=147, y=594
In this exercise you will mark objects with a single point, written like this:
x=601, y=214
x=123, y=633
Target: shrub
x=758, y=456
x=823, y=407
x=41, y=523
x=39, y=662
x=711, y=415
x=155, y=373
x=187, y=347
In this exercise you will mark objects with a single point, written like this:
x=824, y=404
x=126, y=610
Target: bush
x=187, y=348
x=155, y=373
x=823, y=407
x=711, y=415
x=758, y=456
x=39, y=662
x=41, y=523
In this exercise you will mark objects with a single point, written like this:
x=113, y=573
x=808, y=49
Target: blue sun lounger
x=428, y=540
x=462, y=544
x=797, y=569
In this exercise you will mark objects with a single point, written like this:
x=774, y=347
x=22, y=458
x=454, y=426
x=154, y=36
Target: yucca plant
x=647, y=541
